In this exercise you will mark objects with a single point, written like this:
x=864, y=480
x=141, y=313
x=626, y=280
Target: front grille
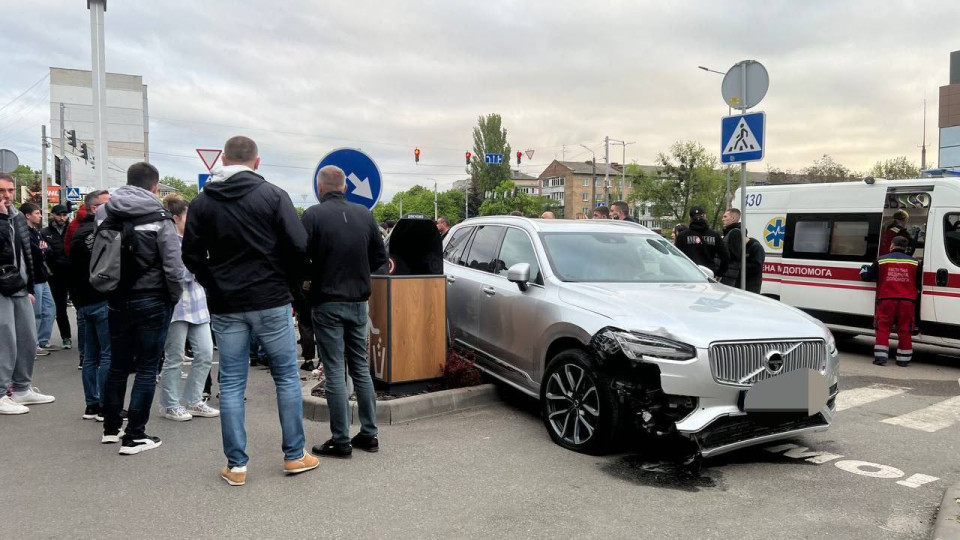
x=733, y=362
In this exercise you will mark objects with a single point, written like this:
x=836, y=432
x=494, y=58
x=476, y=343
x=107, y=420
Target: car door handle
x=451, y=279
x=488, y=290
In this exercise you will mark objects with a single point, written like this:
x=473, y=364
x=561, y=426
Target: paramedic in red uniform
x=896, y=277
x=895, y=229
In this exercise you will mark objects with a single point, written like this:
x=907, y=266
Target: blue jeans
x=44, y=311
x=96, y=350
x=138, y=330
x=202, y=343
x=81, y=335
x=273, y=328
x=341, y=333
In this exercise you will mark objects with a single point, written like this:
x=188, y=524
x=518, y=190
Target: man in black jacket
x=43, y=307
x=344, y=246
x=59, y=264
x=92, y=311
x=18, y=327
x=140, y=308
x=245, y=245
x=702, y=244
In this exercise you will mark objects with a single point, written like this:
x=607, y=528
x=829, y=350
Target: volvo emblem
x=773, y=362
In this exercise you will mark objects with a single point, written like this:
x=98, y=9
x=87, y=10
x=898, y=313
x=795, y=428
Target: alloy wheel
x=573, y=404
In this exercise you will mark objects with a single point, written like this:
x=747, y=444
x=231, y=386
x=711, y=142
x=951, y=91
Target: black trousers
x=58, y=288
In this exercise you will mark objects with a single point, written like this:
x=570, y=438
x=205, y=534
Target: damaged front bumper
x=680, y=397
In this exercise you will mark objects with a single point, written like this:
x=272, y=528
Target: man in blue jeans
x=140, y=308
x=343, y=245
x=92, y=311
x=245, y=245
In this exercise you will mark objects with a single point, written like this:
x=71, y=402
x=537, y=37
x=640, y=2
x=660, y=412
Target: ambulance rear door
x=941, y=274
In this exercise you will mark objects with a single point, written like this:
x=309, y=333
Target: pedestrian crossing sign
x=742, y=137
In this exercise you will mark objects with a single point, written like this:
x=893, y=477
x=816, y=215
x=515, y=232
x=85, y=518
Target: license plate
x=800, y=391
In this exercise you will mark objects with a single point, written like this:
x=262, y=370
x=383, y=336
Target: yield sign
x=209, y=157
x=529, y=154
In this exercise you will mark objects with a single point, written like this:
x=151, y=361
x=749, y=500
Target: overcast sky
x=848, y=78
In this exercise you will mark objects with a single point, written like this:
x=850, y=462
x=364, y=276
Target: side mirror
x=519, y=274
x=706, y=271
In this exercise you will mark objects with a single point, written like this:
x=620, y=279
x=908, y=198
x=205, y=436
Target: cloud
x=303, y=77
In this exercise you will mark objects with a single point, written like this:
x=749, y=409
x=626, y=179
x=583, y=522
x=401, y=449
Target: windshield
x=617, y=257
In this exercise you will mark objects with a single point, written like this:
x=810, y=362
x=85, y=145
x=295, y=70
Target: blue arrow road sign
x=493, y=158
x=742, y=137
x=364, y=182
x=203, y=179
x=73, y=194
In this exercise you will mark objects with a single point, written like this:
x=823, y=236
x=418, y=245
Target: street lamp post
x=726, y=196
x=593, y=181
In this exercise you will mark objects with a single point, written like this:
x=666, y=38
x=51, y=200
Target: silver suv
x=611, y=327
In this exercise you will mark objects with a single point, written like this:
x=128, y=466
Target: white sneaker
x=32, y=396
x=201, y=409
x=9, y=406
x=42, y=352
x=110, y=439
x=178, y=413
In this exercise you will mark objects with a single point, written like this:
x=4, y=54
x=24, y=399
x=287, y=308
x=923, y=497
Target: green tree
x=506, y=199
x=826, y=170
x=898, y=167
x=419, y=200
x=489, y=137
x=187, y=191
x=26, y=177
x=687, y=176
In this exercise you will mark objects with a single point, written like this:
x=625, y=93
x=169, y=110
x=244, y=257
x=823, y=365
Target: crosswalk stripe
x=930, y=419
x=867, y=394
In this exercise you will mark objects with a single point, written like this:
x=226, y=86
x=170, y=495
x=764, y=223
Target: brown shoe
x=233, y=478
x=304, y=464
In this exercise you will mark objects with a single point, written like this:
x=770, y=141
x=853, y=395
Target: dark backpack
x=113, y=258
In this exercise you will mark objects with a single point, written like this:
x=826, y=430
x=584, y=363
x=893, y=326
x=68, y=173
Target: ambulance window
x=836, y=237
x=849, y=238
x=951, y=236
x=812, y=237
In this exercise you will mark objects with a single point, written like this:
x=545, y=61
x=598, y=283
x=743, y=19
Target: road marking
x=855, y=466
x=801, y=452
x=865, y=468
x=868, y=394
x=930, y=419
x=917, y=480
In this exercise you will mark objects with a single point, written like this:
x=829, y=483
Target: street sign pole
x=97, y=7
x=63, y=156
x=743, y=188
x=45, y=207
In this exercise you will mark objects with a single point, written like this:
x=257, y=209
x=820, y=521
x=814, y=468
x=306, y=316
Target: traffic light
x=416, y=155
x=56, y=170
x=83, y=151
x=72, y=138
x=518, y=157
x=468, y=158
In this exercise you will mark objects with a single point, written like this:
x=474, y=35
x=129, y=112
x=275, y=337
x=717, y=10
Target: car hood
x=694, y=313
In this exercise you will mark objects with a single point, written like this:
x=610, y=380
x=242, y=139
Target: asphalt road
x=489, y=472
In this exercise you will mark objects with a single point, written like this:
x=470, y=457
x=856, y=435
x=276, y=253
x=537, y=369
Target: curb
x=397, y=411
x=947, y=526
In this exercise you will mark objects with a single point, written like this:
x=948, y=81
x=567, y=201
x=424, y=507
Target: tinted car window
x=516, y=248
x=484, y=248
x=617, y=258
x=456, y=245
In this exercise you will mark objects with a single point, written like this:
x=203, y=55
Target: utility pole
x=98, y=71
x=593, y=185
x=435, y=215
x=43, y=174
x=923, y=147
x=606, y=171
x=63, y=156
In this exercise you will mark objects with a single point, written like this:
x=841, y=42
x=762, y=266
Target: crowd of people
x=152, y=279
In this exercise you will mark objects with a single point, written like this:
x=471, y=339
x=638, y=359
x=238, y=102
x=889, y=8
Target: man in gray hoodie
x=18, y=328
x=140, y=308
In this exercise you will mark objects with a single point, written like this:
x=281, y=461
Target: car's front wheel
x=577, y=403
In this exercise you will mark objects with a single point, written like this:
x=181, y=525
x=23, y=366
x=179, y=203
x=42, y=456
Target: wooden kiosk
x=408, y=345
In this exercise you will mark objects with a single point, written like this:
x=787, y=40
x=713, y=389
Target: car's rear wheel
x=577, y=403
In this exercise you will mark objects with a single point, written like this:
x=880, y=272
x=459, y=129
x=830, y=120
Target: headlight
x=637, y=346
x=831, y=344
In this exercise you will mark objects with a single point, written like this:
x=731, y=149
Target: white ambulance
x=818, y=236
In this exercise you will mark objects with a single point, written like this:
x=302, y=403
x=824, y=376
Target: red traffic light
x=519, y=154
x=416, y=155
x=468, y=157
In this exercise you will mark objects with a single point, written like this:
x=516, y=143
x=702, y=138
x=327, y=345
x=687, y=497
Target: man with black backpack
x=136, y=262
